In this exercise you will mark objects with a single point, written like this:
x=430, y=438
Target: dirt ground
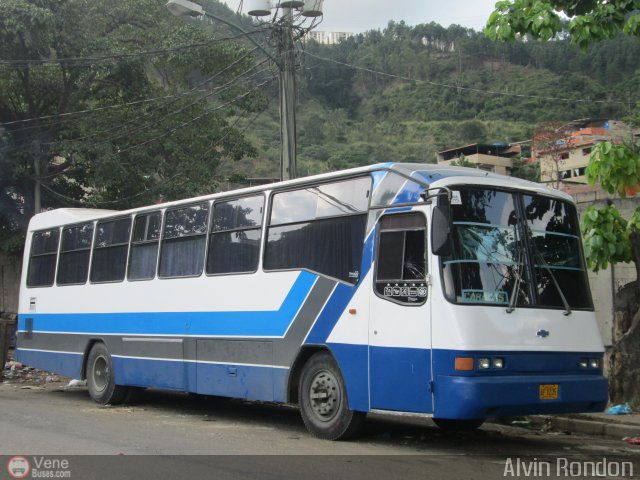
x=29, y=377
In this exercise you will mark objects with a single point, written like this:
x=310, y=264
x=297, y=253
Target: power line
x=122, y=127
x=51, y=121
x=155, y=122
x=171, y=131
x=469, y=89
x=92, y=110
x=168, y=180
x=84, y=61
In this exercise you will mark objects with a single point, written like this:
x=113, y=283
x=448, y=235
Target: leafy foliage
x=606, y=238
x=462, y=162
x=160, y=101
x=616, y=168
x=591, y=21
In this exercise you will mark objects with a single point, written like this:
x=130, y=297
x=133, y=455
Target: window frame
x=128, y=244
x=90, y=248
x=146, y=242
x=56, y=253
x=519, y=194
x=267, y=222
x=427, y=265
x=162, y=239
x=261, y=229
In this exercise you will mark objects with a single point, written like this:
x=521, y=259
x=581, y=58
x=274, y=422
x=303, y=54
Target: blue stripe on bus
x=400, y=379
x=354, y=365
x=410, y=193
x=243, y=323
x=515, y=389
x=63, y=363
x=250, y=382
x=459, y=397
x=377, y=176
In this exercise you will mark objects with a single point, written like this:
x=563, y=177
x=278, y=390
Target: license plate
x=549, y=392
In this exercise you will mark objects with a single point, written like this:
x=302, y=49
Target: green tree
x=609, y=238
x=526, y=170
x=590, y=21
x=113, y=104
x=463, y=162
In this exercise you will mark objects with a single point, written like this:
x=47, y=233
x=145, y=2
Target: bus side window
x=42, y=258
x=183, y=241
x=402, y=259
x=234, y=243
x=144, y=246
x=74, y=254
x=109, y=261
x=320, y=228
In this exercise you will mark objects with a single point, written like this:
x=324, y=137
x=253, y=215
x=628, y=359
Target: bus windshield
x=515, y=249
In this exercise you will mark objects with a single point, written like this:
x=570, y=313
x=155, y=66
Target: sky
x=360, y=15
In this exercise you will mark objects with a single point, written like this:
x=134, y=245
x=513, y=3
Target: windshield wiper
x=516, y=287
x=543, y=262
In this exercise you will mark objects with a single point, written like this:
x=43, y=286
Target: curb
x=587, y=427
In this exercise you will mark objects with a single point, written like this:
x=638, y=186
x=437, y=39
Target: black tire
x=134, y=396
x=100, y=377
x=323, y=400
x=458, y=425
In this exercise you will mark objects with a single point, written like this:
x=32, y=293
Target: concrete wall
x=606, y=283
x=9, y=283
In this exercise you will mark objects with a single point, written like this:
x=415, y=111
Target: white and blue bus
x=406, y=289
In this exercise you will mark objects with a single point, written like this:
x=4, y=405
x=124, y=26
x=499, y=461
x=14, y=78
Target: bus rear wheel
x=323, y=400
x=458, y=425
x=101, y=379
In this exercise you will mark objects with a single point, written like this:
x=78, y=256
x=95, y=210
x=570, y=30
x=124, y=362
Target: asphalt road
x=219, y=438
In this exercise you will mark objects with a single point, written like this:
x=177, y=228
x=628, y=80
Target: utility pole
x=37, y=171
x=287, y=73
x=289, y=21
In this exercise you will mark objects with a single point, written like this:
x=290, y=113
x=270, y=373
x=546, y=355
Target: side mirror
x=441, y=230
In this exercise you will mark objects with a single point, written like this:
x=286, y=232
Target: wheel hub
x=100, y=373
x=325, y=395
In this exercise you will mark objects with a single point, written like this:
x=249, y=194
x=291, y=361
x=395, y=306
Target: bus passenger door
x=399, y=325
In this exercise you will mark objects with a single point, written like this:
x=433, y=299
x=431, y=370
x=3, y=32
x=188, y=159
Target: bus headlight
x=594, y=363
x=484, y=363
x=498, y=362
x=584, y=362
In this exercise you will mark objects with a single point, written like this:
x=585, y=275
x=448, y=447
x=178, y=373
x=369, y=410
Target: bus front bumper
x=458, y=397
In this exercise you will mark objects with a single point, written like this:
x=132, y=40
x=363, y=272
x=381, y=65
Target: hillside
x=406, y=92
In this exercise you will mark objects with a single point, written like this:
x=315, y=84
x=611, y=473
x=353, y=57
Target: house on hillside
x=496, y=158
x=565, y=152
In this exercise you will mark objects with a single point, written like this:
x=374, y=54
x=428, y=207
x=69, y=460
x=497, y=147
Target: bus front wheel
x=323, y=400
x=101, y=379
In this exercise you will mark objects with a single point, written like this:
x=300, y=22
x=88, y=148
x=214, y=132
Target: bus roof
x=433, y=175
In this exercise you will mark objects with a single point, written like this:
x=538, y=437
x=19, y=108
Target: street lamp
x=288, y=16
x=185, y=8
